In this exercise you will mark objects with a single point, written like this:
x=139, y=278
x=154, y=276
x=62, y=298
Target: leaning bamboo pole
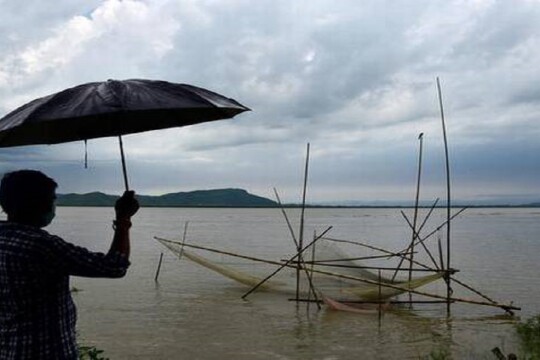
x=286, y=264
x=401, y=254
x=417, y=292
x=158, y=267
x=421, y=242
x=426, y=218
x=438, y=228
x=301, y=258
x=441, y=258
x=470, y=288
x=417, y=236
x=344, y=276
x=448, y=197
x=417, y=198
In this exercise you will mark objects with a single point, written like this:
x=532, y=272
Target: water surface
x=195, y=313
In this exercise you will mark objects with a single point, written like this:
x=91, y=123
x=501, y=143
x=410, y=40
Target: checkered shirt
x=37, y=313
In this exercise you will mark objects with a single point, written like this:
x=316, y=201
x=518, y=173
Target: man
x=37, y=314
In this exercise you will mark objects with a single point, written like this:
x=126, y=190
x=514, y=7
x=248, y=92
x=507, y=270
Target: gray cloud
x=356, y=79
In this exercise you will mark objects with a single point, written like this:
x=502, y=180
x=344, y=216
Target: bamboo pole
x=428, y=215
x=308, y=274
x=421, y=242
x=417, y=198
x=405, y=289
x=302, y=213
x=348, y=301
x=438, y=228
x=343, y=276
x=183, y=240
x=289, y=226
x=325, y=261
x=399, y=254
x=285, y=264
x=441, y=258
x=222, y=252
x=380, y=298
x=372, y=267
x=158, y=267
x=468, y=287
x=448, y=195
x=411, y=245
x=430, y=212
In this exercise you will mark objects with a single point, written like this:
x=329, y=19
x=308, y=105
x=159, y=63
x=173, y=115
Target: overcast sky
x=354, y=78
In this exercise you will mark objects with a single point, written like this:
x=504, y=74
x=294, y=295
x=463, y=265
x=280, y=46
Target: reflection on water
x=195, y=313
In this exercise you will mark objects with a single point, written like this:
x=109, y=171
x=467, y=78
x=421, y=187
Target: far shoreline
x=294, y=206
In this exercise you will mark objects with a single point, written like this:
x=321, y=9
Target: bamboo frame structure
x=344, y=276
x=298, y=263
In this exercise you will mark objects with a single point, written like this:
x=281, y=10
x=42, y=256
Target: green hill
x=199, y=198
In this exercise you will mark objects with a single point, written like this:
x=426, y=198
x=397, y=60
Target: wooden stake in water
x=158, y=267
x=448, y=197
x=380, y=298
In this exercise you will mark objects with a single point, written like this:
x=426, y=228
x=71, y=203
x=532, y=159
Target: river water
x=194, y=313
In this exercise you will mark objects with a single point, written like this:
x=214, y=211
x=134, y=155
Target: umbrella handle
x=124, y=171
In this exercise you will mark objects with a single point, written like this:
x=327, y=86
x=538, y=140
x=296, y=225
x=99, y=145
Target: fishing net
x=250, y=271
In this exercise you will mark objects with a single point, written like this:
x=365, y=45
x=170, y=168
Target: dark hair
x=26, y=191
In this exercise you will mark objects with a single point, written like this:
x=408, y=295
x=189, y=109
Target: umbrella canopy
x=113, y=108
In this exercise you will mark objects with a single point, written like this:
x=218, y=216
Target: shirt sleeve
x=68, y=259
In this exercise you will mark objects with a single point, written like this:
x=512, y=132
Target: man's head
x=27, y=196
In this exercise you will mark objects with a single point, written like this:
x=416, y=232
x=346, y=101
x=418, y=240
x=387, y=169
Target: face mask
x=48, y=217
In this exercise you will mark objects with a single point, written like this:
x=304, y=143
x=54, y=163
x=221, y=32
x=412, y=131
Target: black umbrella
x=113, y=108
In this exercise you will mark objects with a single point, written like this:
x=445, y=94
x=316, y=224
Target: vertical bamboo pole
x=310, y=274
x=301, y=232
x=448, y=197
x=380, y=298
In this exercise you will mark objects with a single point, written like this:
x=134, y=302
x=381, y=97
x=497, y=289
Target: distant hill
x=199, y=198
